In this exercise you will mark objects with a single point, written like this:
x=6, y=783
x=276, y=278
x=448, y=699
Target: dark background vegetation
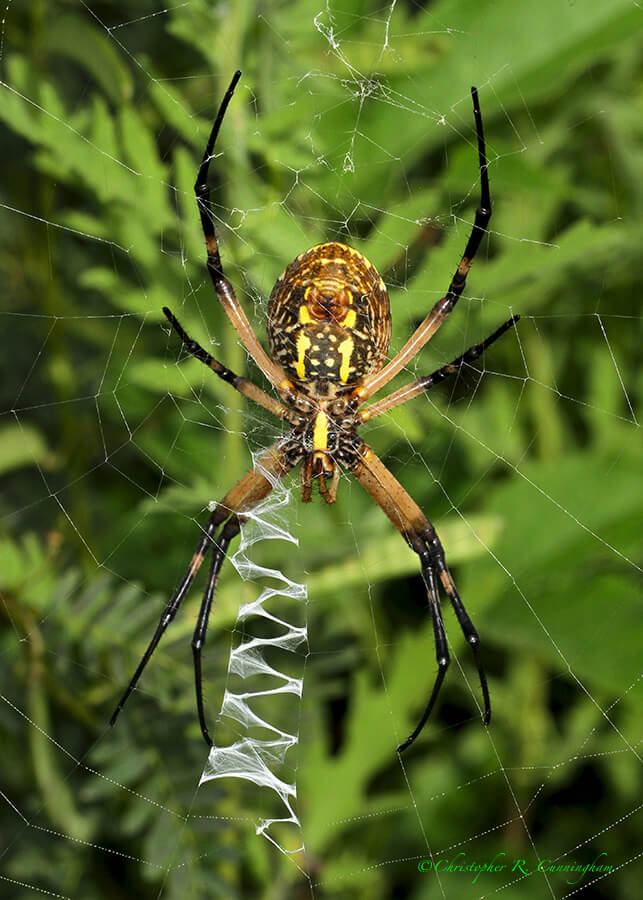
x=111, y=444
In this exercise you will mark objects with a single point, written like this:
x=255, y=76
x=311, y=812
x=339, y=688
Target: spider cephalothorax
x=329, y=327
x=325, y=441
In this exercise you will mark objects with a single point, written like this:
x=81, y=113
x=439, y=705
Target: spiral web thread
x=252, y=758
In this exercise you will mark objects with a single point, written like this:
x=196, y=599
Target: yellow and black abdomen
x=329, y=316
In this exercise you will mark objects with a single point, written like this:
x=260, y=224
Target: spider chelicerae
x=329, y=328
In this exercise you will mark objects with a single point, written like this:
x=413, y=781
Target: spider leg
x=170, y=610
x=329, y=493
x=224, y=290
x=420, y=535
x=221, y=545
x=201, y=187
x=444, y=307
x=441, y=652
x=250, y=490
x=409, y=391
x=468, y=629
x=307, y=479
x=243, y=385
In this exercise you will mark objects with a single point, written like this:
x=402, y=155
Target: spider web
x=113, y=445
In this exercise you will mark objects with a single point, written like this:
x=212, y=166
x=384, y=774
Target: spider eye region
x=329, y=317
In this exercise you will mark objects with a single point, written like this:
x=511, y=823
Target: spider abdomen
x=329, y=316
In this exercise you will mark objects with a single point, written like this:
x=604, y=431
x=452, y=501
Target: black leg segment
x=171, y=609
x=203, y=193
x=429, y=549
x=221, y=545
x=441, y=651
x=481, y=221
x=467, y=357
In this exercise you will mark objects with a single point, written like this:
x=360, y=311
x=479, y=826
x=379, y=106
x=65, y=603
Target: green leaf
x=569, y=546
x=77, y=39
x=22, y=445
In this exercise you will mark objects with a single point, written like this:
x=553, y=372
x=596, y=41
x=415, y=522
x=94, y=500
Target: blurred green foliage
x=352, y=122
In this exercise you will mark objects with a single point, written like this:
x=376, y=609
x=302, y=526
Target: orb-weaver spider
x=329, y=327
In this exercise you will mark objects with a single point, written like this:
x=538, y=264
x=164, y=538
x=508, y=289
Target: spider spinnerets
x=329, y=328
